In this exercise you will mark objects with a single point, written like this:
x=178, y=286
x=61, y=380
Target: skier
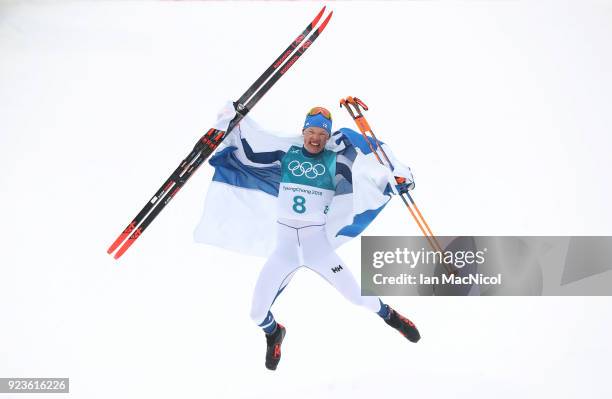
x=310, y=177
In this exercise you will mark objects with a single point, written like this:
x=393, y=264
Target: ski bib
x=307, y=185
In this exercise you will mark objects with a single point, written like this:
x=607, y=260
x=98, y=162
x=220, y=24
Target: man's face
x=315, y=139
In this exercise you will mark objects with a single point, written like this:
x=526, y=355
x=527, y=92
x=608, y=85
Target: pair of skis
x=364, y=127
x=207, y=144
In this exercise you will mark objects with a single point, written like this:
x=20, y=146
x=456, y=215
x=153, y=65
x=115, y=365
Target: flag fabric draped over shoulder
x=240, y=205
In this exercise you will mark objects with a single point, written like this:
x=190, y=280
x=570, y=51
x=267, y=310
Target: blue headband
x=318, y=120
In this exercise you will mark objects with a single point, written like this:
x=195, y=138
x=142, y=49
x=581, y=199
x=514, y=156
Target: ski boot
x=403, y=325
x=273, y=351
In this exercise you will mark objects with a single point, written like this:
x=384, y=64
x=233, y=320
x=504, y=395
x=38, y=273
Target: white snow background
x=502, y=109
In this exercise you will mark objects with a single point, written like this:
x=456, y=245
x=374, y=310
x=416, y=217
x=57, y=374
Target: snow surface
x=502, y=110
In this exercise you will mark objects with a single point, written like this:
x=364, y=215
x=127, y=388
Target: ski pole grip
x=361, y=103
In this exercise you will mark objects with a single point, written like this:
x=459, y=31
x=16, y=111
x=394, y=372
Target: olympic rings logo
x=306, y=169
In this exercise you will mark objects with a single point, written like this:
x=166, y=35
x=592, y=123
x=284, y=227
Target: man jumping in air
x=310, y=177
